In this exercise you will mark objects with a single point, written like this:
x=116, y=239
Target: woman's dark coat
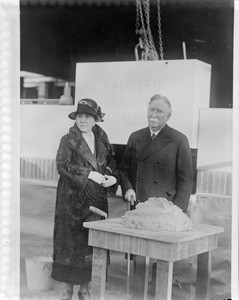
x=76, y=193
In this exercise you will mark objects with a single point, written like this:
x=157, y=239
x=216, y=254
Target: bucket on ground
x=38, y=270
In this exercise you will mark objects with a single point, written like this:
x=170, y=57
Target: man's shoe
x=67, y=295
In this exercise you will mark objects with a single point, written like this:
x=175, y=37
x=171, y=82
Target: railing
x=215, y=179
x=40, y=101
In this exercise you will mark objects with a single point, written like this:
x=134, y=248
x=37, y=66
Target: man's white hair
x=162, y=98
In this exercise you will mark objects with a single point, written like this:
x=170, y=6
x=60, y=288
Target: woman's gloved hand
x=109, y=181
x=96, y=177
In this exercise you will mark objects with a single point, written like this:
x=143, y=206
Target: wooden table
x=165, y=247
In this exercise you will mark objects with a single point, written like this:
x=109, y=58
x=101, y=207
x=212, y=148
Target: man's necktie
x=153, y=136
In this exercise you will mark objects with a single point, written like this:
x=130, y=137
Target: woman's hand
x=96, y=177
x=109, y=181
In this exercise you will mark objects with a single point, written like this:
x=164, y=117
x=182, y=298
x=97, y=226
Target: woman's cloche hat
x=89, y=107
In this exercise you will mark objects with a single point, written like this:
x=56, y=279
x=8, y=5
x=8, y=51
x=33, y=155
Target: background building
x=56, y=34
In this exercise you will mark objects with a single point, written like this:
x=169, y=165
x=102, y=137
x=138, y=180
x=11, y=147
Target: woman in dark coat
x=86, y=169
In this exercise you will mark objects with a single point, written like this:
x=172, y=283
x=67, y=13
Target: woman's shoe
x=84, y=294
x=80, y=296
x=67, y=295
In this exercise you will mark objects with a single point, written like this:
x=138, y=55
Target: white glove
x=109, y=181
x=130, y=196
x=96, y=177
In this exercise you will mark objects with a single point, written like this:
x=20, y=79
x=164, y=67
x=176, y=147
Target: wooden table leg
x=164, y=280
x=146, y=279
x=203, y=275
x=139, y=277
x=98, y=278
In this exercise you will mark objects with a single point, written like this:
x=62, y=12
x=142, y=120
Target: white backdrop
x=123, y=90
x=215, y=138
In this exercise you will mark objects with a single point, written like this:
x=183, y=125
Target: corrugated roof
x=75, y=2
x=117, y=2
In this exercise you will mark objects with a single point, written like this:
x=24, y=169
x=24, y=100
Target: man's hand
x=108, y=181
x=130, y=196
x=96, y=177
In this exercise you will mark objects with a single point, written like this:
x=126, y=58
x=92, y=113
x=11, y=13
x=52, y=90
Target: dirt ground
x=37, y=214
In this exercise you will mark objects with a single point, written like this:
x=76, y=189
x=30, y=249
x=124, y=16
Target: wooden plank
x=151, y=248
x=114, y=225
x=122, y=243
x=191, y=248
x=164, y=280
x=139, y=277
x=98, y=273
x=203, y=275
x=146, y=280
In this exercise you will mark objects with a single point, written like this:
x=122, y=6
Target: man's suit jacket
x=158, y=168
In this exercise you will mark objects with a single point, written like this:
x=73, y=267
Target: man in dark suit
x=157, y=160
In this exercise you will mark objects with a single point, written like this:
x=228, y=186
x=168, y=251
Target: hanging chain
x=137, y=17
x=160, y=31
x=152, y=51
